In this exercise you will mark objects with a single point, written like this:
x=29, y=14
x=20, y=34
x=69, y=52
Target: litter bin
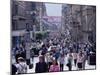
x=92, y=59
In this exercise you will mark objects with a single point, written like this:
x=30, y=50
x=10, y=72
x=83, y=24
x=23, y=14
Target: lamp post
x=33, y=13
x=27, y=44
x=40, y=18
x=29, y=35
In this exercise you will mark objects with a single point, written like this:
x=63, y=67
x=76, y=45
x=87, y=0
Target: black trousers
x=70, y=66
x=49, y=64
x=61, y=67
x=79, y=65
x=75, y=61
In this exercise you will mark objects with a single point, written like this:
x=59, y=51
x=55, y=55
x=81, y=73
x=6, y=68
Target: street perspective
x=52, y=37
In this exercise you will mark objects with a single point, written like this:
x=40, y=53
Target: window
x=14, y=25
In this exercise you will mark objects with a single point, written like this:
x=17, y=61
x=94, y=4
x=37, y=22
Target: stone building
x=80, y=20
x=25, y=16
x=19, y=20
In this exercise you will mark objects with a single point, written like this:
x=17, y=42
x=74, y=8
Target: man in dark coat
x=41, y=66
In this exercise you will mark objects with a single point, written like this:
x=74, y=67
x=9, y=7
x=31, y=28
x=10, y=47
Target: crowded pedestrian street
x=87, y=67
x=47, y=41
x=61, y=55
x=36, y=59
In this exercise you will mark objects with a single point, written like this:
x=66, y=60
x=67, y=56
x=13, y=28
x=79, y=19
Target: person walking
x=80, y=61
x=41, y=66
x=57, y=54
x=54, y=67
x=61, y=61
x=69, y=64
x=49, y=59
x=75, y=58
x=32, y=54
x=21, y=66
x=84, y=59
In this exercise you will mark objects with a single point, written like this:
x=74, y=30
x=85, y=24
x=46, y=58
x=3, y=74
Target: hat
x=20, y=58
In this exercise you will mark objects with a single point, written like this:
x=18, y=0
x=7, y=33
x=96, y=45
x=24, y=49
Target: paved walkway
x=65, y=67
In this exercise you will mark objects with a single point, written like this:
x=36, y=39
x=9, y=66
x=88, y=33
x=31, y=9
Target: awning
x=18, y=33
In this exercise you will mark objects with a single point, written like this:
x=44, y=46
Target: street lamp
x=27, y=44
x=28, y=37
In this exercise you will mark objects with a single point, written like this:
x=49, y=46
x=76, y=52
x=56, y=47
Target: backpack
x=23, y=69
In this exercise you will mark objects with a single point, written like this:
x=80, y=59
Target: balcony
x=17, y=17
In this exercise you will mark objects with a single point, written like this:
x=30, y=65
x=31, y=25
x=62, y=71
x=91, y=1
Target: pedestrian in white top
x=75, y=58
x=21, y=66
x=61, y=61
x=84, y=59
x=49, y=59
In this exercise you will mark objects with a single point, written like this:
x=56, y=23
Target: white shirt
x=49, y=58
x=21, y=67
x=74, y=55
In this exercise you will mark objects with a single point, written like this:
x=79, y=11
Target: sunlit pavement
x=65, y=67
x=87, y=67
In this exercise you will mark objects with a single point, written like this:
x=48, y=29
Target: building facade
x=26, y=16
x=80, y=20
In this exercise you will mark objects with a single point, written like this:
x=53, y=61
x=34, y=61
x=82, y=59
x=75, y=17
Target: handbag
x=30, y=66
